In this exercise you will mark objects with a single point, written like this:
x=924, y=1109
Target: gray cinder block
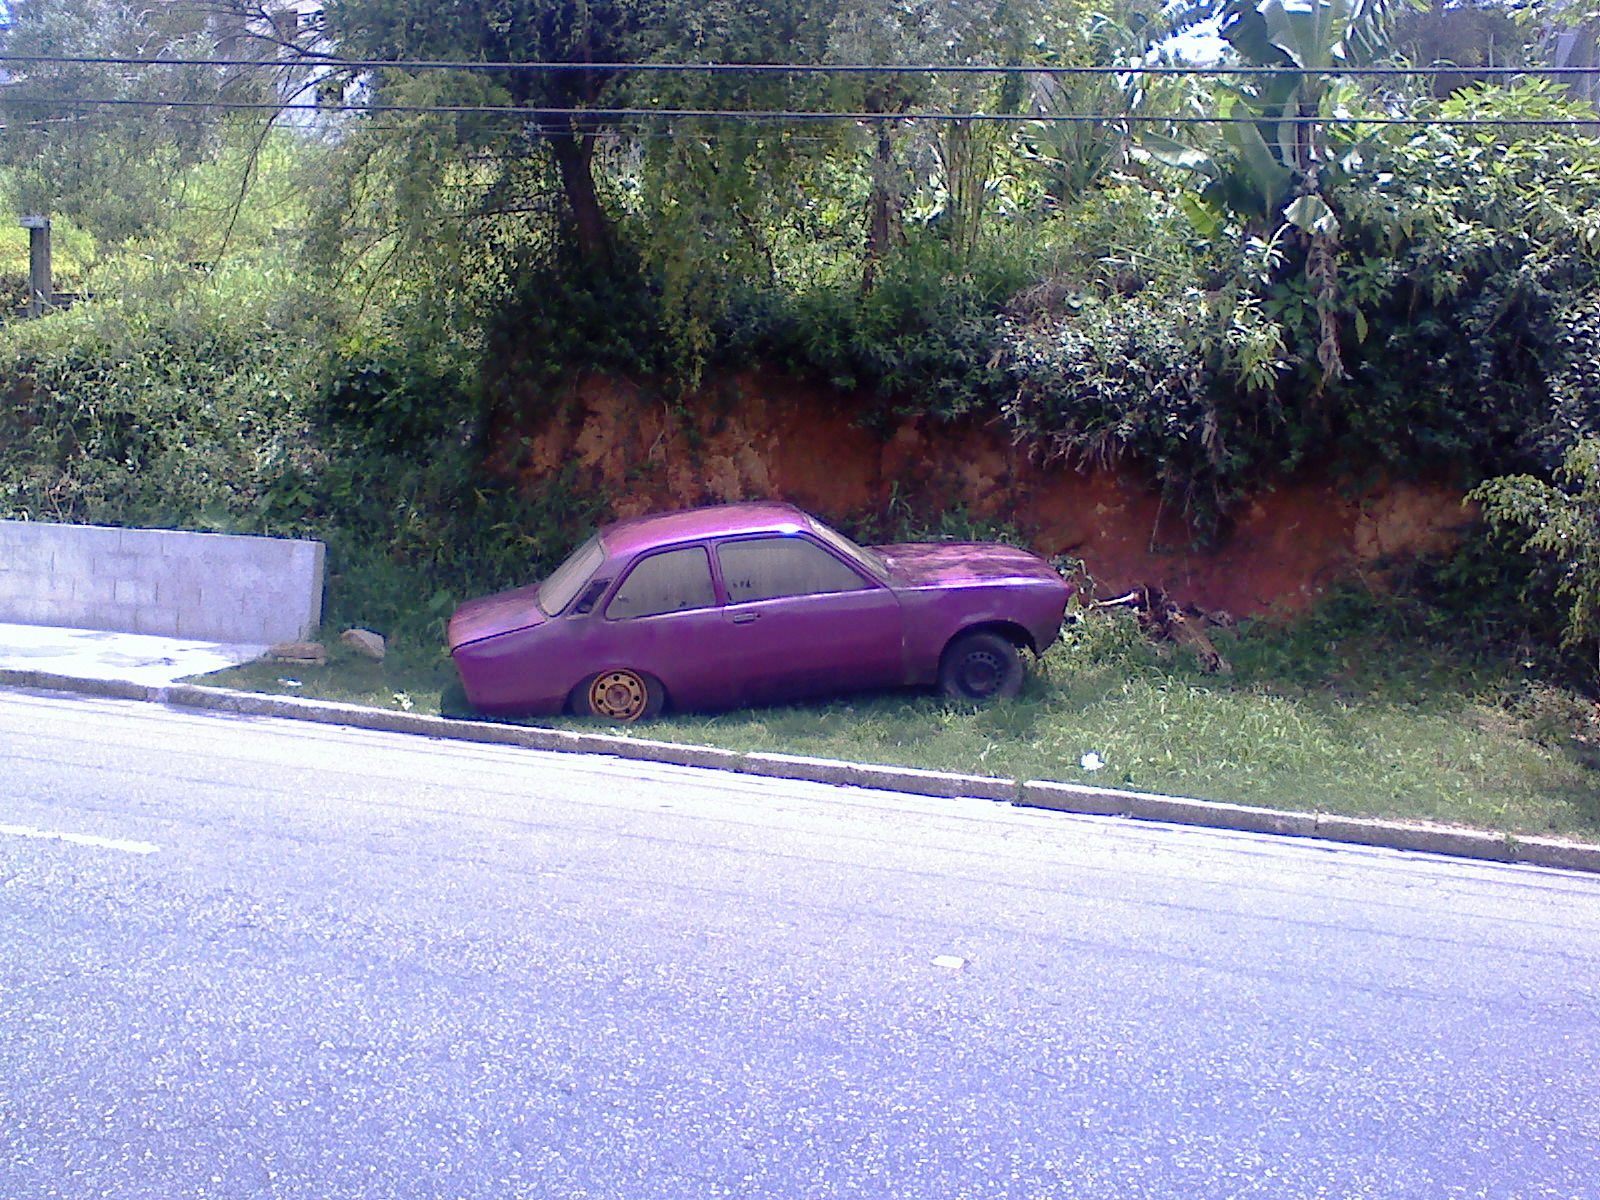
x=210, y=586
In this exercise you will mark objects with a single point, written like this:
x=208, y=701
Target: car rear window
x=770, y=568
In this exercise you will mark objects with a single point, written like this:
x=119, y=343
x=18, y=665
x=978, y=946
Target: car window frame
x=718, y=595
x=592, y=543
x=868, y=579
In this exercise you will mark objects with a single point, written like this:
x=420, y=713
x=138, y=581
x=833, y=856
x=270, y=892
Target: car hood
x=947, y=564
x=504, y=612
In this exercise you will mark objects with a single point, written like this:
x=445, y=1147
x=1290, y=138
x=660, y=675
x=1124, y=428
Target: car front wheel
x=621, y=695
x=980, y=666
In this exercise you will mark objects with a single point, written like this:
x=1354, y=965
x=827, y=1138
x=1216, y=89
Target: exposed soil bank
x=759, y=436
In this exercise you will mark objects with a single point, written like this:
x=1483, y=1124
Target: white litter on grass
x=1092, y=761
x=950, y=962
x=290, y=682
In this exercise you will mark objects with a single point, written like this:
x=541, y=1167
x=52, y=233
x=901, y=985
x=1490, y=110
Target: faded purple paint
x=891, y=632
x=629, y=538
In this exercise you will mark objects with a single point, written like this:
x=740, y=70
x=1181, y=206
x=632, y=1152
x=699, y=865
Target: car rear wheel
x=621, y=695
x=980, y=666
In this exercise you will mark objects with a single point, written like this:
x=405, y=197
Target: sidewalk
x=98, y=654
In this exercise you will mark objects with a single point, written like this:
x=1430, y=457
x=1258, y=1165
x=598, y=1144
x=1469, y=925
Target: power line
x=767, y=116
x=335, y=63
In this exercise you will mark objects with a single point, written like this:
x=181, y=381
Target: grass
x=1345, y=713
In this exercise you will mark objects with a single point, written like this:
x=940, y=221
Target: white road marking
x=81, y=839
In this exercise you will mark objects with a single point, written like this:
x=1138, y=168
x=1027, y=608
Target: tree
x=517, y=31
x=1466, y=34
x=91, y=140
x=1567, y=34
x=960, y=155
x=1077, y=153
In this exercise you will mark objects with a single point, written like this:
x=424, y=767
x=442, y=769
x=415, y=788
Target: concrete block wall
x=208, y=586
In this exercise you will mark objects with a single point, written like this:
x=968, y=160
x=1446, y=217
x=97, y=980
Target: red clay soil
x=755, y=436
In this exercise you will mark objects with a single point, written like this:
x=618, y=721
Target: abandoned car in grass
x=753, y=603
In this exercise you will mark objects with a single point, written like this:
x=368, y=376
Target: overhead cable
x=335, y=63
x=538, y=115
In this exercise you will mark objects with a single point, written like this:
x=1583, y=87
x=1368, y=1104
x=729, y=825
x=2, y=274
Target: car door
x=801, y=621
x=663, y=619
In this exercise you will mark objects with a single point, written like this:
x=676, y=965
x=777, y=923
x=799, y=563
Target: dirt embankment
x=759, y=436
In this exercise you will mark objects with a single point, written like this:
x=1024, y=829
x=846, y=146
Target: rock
x=298, y=652
x=364, y=641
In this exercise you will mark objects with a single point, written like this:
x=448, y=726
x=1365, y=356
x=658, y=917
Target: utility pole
x=41, y=286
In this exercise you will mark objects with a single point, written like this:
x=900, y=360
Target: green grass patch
x=1340, y=713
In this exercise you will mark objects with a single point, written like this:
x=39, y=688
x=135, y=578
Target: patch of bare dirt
x=754, y=435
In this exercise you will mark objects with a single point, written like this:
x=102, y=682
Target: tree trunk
x=574, y=154
x=880, y=209
x=966, y=153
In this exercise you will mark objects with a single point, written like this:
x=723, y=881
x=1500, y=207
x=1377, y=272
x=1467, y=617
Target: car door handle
x=744, y=618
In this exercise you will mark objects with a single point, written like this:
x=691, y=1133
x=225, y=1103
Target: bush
x=213, y=414
x=152, y=412
x=1562, y=523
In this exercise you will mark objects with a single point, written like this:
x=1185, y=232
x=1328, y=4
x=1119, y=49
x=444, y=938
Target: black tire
x=620, y=695
x=979, y=667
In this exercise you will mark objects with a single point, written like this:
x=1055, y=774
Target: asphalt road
x=249, y=958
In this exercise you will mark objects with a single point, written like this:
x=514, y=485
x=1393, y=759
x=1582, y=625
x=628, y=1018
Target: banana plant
x=1265, y=167
x=1268, y=149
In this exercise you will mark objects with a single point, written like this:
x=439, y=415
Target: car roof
x=626, y=538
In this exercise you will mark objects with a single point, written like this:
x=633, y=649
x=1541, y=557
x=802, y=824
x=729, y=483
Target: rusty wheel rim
x=618, y=695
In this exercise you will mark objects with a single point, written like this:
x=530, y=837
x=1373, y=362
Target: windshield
x=873, y=563
x=556, y=592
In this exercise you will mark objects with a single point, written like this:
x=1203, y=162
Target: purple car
x=752, y=604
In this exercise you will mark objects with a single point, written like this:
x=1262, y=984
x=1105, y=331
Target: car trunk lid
x=952, y=564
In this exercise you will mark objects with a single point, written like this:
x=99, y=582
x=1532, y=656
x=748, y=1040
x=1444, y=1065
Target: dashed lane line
x=80, y=839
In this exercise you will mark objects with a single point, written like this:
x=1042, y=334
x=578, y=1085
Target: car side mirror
x=590, y=597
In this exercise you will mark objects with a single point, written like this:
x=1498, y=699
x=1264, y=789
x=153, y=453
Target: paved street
x=248, y=958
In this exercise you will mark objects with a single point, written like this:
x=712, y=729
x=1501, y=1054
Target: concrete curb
x=1361, y=831
x=1075, y=798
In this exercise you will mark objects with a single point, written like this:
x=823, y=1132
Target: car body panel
x=793, y=647
x=494, y=615
x=875, y=633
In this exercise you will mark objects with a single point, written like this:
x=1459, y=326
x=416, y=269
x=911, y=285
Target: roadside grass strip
x=1401, y=732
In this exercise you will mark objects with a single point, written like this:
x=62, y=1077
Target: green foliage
x=921, y=341
x=1102, y=378
x=392, y=393
x=560, y=320
x=1562, y=523
x=1464, y=34
x=175, y=410
x=207, y=403
x=1574, y=381
x=78, y=140
x=1265, y=154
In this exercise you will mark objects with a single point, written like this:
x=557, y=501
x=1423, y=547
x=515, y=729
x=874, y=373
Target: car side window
x=773, y=567
x=672, y=581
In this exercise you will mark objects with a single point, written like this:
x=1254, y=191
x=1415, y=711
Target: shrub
x=1562, y=523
